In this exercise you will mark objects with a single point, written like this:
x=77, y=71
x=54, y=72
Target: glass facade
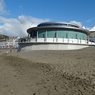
x=41, y=33
x=51, y=34
x=74, y=34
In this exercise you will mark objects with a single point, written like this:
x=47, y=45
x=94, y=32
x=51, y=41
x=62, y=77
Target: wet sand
x=48, y=72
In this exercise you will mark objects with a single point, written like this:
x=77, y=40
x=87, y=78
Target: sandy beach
x=70, y=72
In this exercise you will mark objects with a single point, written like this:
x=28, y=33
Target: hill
x=3, y=37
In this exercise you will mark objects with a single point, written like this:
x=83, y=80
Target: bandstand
x=56, y=36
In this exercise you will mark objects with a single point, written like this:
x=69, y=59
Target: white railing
x=58, y=40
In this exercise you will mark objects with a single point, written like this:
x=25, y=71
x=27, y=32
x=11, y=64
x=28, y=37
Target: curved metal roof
x=56, y=25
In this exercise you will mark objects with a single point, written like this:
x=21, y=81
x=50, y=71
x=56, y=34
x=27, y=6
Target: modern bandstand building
x=56, y=36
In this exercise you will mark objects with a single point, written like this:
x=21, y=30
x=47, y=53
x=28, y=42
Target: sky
x=16, y=16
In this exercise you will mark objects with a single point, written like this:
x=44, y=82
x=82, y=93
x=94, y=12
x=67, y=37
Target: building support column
x=28, y=37
x=56, y=36
x=46, y=37
x=77, y=38
x=37, y=36
x=87, y=39
x=63, y=39
x=68, y=37
x=80, y=40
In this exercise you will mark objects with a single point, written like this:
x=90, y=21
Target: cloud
x=80, y=24
x=2, y=7
x=89, y=20
x=76, y=22
x=21, y=7
x=18, y=26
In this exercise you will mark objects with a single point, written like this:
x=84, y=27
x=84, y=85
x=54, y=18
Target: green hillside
x=3, y=37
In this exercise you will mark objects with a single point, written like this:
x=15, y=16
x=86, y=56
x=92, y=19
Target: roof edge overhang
x=58, y=27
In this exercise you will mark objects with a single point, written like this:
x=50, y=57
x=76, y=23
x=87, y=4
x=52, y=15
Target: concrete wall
x=49, y=46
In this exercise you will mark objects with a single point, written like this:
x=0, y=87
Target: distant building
x=12, y=42
x=92, y=34
x=2, y=43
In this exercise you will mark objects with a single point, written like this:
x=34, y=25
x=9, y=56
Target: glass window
x=34, y=34
x=51, y=33
x=66, y=35
x=76, y=36
x=61, y=33
x=41, y=33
